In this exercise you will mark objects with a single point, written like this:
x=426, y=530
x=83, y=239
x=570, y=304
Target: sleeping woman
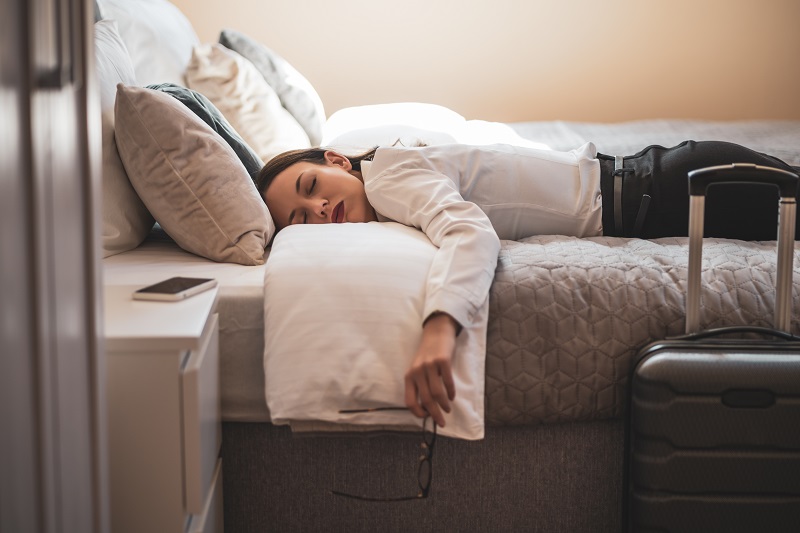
x=466, y=198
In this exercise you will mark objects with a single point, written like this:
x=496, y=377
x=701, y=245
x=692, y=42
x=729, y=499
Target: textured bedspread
x=568, y=315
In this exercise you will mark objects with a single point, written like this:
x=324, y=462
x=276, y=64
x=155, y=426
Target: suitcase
x=713, y=428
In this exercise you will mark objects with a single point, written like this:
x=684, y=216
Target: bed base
x=545, y=478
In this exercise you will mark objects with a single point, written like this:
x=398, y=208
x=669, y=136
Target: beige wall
x=515, y=60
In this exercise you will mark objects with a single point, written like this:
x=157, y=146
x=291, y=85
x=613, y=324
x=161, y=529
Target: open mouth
x=337, y=217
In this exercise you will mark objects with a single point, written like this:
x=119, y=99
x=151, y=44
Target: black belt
x=619, y=173
x=619, y=170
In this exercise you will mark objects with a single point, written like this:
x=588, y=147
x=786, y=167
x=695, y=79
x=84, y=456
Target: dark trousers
x=748, y=212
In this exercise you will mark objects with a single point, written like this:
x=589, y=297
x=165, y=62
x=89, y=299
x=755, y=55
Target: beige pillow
x=297, y=94
x=190, y=179
x=243, y=96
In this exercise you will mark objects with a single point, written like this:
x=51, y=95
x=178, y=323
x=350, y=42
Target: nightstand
x=163, y=413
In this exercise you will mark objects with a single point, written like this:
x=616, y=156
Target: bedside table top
x=150, y=325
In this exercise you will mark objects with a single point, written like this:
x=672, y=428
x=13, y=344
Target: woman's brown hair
x=316, y=155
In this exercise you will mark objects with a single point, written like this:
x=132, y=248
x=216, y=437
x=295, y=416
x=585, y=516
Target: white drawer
x=202, y=433
x=211, y=520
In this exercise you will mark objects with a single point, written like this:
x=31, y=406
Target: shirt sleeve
x=463, y=268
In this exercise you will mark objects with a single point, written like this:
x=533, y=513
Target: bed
x=242, y=327
x=565, y=315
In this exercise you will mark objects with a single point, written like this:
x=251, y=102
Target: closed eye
x=311, y=188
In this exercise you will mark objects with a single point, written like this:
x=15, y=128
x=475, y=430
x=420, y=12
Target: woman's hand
x=429, y=381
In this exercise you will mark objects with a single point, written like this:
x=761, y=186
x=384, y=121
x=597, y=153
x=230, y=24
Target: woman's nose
x=321, y=208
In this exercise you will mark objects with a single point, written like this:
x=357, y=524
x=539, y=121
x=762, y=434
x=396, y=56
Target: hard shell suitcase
x=713, y=429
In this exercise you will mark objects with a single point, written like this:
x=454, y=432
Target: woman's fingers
x=429, y=381
x=429, y=389
x=436, y=382
x=448, y=381
x=411, y=396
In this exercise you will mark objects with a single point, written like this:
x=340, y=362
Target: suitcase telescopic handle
x=786, y=181
x=700, y=179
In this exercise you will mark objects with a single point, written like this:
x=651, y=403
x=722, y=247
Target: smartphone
x=174, y=289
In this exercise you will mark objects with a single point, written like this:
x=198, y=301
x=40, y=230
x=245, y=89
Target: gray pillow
x=208, y=113
x=190, y=179
x=296, y=93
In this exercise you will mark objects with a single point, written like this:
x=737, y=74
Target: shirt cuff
x=459, y=327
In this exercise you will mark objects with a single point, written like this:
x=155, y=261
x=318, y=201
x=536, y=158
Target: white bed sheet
x=241, y=316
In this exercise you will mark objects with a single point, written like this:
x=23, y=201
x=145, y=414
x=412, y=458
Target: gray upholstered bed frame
x=545, y=478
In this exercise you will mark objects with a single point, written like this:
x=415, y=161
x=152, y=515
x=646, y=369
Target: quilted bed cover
x=567, y=316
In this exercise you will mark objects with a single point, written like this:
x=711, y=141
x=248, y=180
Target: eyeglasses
x=424, y=468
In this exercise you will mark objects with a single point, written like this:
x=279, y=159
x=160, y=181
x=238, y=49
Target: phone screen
x=173, y=285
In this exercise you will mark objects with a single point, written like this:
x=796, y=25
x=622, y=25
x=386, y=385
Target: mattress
x=547, y=358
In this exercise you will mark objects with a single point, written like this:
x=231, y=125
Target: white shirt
x=465, y=198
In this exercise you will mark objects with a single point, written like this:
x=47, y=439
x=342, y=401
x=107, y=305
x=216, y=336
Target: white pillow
x=413, y=123
x=356, y=141
x=158, y=36
x=343, y=318
x=428, y=117
x=245, y=98
x=126, y=221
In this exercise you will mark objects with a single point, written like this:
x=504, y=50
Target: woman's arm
x=463, y=269
x=429, y=380
x=459, y=278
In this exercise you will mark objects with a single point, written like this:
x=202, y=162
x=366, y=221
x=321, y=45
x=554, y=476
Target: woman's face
x=309, y=193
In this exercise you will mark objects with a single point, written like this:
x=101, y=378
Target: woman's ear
x=337, y=159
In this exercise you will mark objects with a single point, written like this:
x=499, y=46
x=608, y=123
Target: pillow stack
x=194, y=123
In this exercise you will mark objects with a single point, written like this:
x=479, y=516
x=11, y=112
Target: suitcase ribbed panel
x=715, y=438
x=663, y=513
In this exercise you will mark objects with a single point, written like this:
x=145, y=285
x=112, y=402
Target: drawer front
x=202, y=432
x=211, y=520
